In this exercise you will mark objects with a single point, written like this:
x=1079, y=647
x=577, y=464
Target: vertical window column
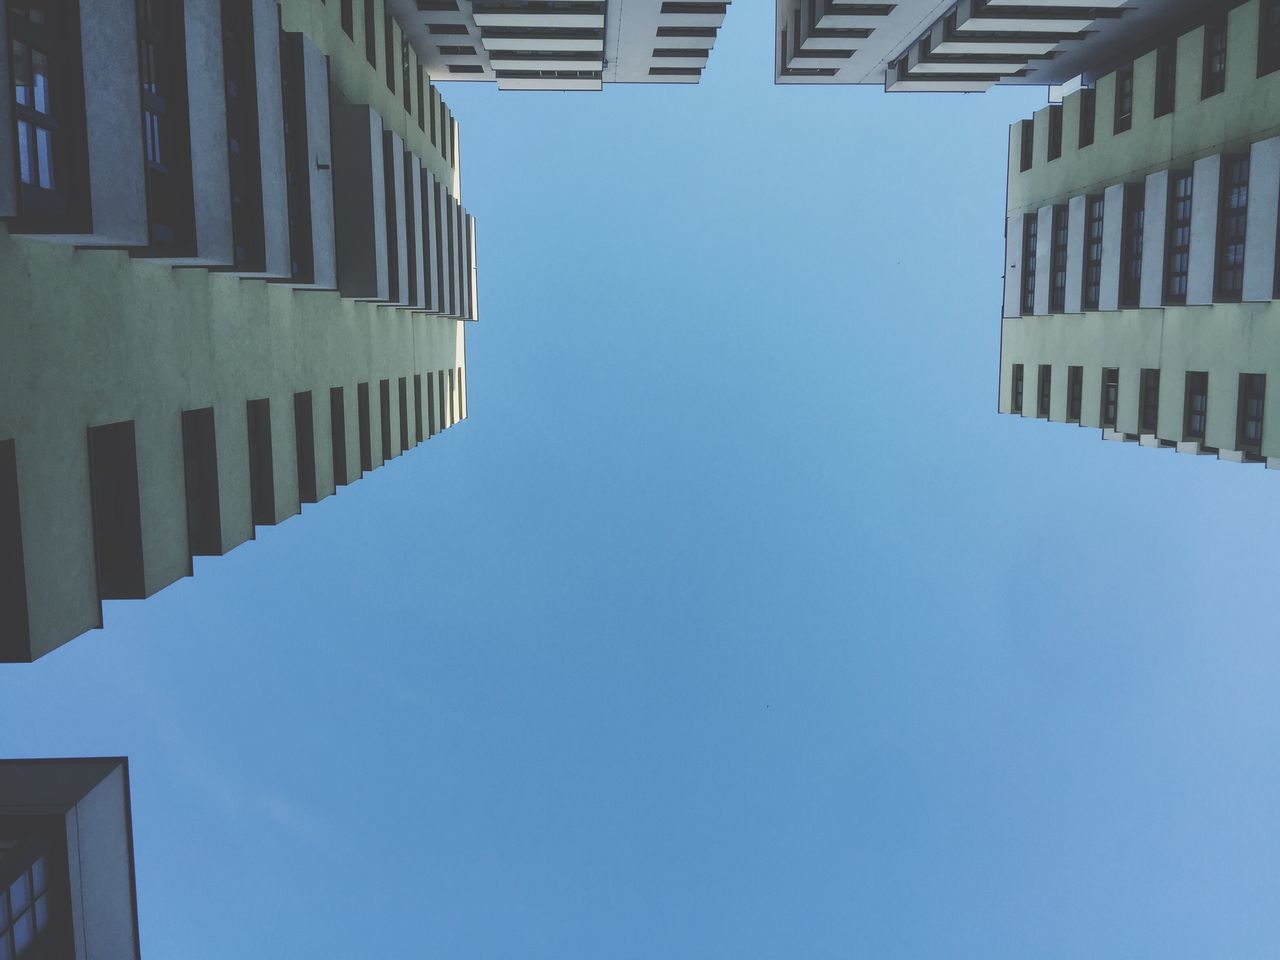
x=1075, y=393
x=1109, y=403
x=1149, y=401
x=1134, y=232
x=1233, y=212
x=117, y=514
x=1030, y=227
x=167, y=136
x=1015, y=389
x=15, y=643
x=200, y=462
x=1044, y=390
x=1249, y=412
x=1195, y=406
x=1092, y=283
x=262, y=488
x=1058, y=260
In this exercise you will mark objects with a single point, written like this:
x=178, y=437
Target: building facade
x=563, y=44
x=236, y=274
x=66, y=860
x=1141, y=246
x=966, y=46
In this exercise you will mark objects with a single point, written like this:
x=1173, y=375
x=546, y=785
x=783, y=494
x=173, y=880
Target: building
x=563, y=44
x=66, y=860
x=235, y=279
x=966, y=46
x=1141, y=281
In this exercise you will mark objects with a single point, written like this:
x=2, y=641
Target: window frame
x=1123, y=119
x=1177, y=244
x=1030, y=231
x=1027, y=133
x=1268, y=37
x=1054, y=146
x=1088, y=117
x=1016, y=387
x=1213, y=68
x=1109, y=399
x=1059, y=243
x=1075, y=393
x=1131, y=244
x=1252, y=390
x=1195, y=416
x=1233, y=214
x=1149, y=401
x=1044, y=390
x=1166, y=79
x=1094, y=224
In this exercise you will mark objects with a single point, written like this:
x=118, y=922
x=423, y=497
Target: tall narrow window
x=1166, y=78
x=1177, y=249
x=1124, y=99
x=1149, y=400
x=338, y=435
x=1253, y=390
x=384, y=411
x=348, y=19
x=444, y=422
x=1088, y=115
x=262, y=487
x=48, y=104
x=370, y=33
x=1055, y=131
x=453, y=143
x=422, y=107
x=406, y=88
x=200, y=462
x=1015, y=395
x=1075, y=393
x=1093, y=207
x=1196, y=405
x=1030, y=226
x=1058, y=261
x=1268, y=37
x=1131, y=249
x=389, y=49
x=1233, y=208
x=1109, y=403
x=14, y=617
x=410, y=232
x=297, y=153
x=366, y=437
x=165, y=125
x=242, y=134
x=1044, y=390
x=117, y=516
x=417, y=407
x=404, y=415
x=1214, y=79
x=432, y=429
x=431, y=101
x=304, y=432
x=1028, y=145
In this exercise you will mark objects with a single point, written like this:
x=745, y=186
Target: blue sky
x=734, y=622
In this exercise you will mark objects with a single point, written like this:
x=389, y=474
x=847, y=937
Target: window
x=1058, y=261
x=422, y=123
x=166, y=130
x=1088, y=115
x=243, y=163
x=1110, y=396
x=1030, y=226
x=348, y=19
x=1093, y=208
x=200, y=461
x=1075, y=392
x=262, y=488
x=1015, y=405
x=1166, y=78
x=453, y=417
x=1131, y=244
x=1233, y=207
x=296, y=154
x=1055, y=131
x=1196, y=405
x=1253, y=389
x=406, y=88
x=417, y=407
x=388, y=48
x=370, y=34
x=1214, y=79
x=389, y=160
x=48, y=104
x=1124, y=99
x=366, y=440
x=1177, y=249
x=410, y=233
x=24, y=911
x=305, y=436
x=1028, y=145
x=1148, y=400
x=431, y=96
x=338, y=435
x=431, y=405
x=1268, y=37
x=440, y=390
x=117, y=514
x=384, y=411
x=1044, y=390
x=14, y=620
x=404, y=414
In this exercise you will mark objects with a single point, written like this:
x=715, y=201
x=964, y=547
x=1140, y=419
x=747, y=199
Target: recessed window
x=1015, y=395
x=457, y=51
x=1028, y=145
x=370, y=33
x=1253, y=390
x=200, y=464
x=296, y=157
x=1030, y=227
x=305, y=437
x=417, y=407
x=406, y=88
x=239, y=72
x=404, y=414
x=14, y=620
x=117, y=515
x=465, y=68
x=1196, y=405
x=1058, y=260
x=1268, y=37
x=1233, y=209
x=384, y=411
x=422, y=107
x=1110, y=400
x=1093, y=210
x=1177, y=250
x=24, y=910
x=1166, y=78
x=1088, y=115
x=366, y=436
x=1124, y=99
x=1131, y=244
x=338, y=435
x=166, y=127
x=348, y=19
x=1214, y=80
x=1149, y=400
x=389, y=160
x=262, y=489
x=1075, y=393
x=1044, y=390
x=1055, y=131
x=388, y=48
x=432, y=429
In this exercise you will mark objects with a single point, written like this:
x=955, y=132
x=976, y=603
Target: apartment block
x=237, y=273
x=1141, y=246
x=66, y=860
x=563, y=44
x=966, y=46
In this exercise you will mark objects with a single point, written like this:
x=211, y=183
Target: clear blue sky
x=734, y=623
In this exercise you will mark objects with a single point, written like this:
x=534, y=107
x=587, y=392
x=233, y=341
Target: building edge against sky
x=230, y=289
x=1141, y=236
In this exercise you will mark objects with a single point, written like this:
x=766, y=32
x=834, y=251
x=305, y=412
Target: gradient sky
x=734, y=622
